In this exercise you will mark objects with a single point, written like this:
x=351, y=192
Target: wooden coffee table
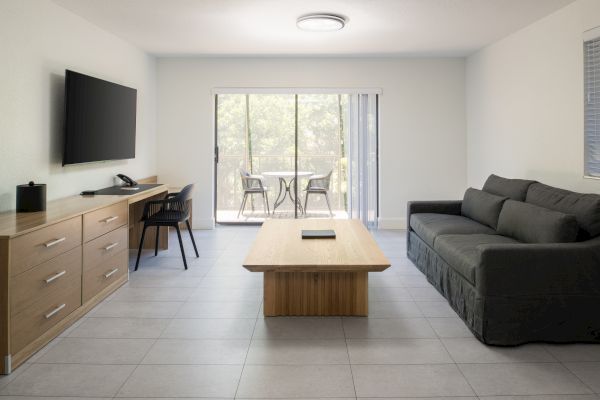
x=315, y=276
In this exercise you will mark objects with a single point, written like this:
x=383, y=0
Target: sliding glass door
x=304, y=150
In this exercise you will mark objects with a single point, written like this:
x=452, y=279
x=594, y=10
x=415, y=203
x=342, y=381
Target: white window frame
x=590, y=35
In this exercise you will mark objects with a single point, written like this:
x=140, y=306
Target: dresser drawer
x=102, y=275
x=59, y=274
x=36, y=319
x=103, y=248
x=34, y=248
x=99, y=222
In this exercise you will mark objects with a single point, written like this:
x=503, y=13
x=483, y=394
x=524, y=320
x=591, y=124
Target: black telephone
x=128, y=181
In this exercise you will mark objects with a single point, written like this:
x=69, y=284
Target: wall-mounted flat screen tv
x=99, y=120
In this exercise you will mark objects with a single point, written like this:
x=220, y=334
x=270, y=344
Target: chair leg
x=156, y=241
x=328, y=205
x=243, y=204
x=187, y=222
x=181, y=246
x=267, y=201
x=137, y=262
x=306, y=202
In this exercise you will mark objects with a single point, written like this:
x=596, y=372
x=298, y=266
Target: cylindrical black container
x=31, y=197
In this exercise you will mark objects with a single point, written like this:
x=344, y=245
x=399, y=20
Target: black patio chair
x=170, y=211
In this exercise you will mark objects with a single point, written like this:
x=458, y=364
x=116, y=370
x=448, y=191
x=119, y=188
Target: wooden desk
x=57, y=264
x=315, y=276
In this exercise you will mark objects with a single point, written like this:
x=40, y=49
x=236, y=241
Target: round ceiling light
x=321, y=22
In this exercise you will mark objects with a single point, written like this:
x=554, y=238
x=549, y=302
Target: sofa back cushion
x=482, y=207
x=515, y=189
x=532, y=224
x=585, y=207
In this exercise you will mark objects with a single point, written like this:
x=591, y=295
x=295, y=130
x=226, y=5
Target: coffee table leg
x=316, y=293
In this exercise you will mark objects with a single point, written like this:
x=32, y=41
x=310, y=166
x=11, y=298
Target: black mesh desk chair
x=168, y=212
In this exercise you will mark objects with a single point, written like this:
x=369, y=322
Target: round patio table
x=286, y=179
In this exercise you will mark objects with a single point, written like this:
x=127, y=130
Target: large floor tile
x=409, y=380
x=235, y=309
x=205, y=328
x=97, y=351
x=138, y=309
x=471, y=350
x=398, y=351
x=450, y=327
x=544, y=397
x=313, y=381
x=389, y=294
x=120, y=328
x=575, y=352
x=182, y=381
x=394, y=309
x=522, y=379
x=69, y=380
x=390, y=328
x=588, y=372
x=436, y=309
x=197, y=351
x=152, y=294
x=297, y=351
x=299, y=328
x=164, y=282
x=226, y=295
x=425, y=294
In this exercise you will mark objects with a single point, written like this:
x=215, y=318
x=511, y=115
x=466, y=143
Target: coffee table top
x=279, y=247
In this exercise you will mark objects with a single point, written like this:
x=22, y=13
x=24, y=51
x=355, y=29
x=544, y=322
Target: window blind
x=592, y=106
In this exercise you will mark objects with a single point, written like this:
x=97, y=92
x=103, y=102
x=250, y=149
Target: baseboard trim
x=392, y=223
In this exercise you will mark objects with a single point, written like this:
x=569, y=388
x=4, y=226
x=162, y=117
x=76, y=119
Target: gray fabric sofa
x=518, y=261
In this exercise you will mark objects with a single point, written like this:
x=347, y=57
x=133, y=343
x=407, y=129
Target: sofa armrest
x=539, y=269
x=434, y=206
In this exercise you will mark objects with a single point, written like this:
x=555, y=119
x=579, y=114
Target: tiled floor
x=171, y=333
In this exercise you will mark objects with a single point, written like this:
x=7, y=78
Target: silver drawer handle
x=56, y=276
x=110, y=219
x=111, y=273
x=56, y=310
x=111, y=246
x=55, y=242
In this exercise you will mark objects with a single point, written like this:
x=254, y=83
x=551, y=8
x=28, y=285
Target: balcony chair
x=318, y=184
x=253, y=184
x=170, y=211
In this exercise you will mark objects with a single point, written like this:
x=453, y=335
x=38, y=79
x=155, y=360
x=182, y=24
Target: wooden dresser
x=57, y=264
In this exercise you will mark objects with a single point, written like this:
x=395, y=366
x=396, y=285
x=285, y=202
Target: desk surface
x=15, y=224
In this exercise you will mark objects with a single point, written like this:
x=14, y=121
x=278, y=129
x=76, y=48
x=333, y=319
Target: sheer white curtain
x=362, y=158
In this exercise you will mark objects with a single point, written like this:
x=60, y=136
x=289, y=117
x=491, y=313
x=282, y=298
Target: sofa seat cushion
x=461, y=251
x=428, y=226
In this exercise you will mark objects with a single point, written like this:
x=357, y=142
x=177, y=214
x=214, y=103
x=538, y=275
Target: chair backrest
x=184, y=195
x=320, y=181
x=249, y=182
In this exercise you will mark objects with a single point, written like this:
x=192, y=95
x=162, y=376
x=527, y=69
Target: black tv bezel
x=69, y=72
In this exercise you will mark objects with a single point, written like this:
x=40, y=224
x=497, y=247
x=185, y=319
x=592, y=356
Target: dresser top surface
x=15, y=224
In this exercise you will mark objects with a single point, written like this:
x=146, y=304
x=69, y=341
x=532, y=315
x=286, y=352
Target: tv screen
x=99, y=120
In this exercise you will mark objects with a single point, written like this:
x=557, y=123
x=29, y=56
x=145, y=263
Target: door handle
x=110, y=219
x=111, y=273
x=111, y=246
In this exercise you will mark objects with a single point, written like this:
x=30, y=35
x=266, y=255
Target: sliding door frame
x=215, y=92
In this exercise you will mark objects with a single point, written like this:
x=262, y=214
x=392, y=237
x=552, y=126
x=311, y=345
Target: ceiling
x=268, y=27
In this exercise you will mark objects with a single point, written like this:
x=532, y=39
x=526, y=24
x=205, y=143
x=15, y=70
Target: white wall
x=525, y=102
x=422, y=125
x=38, y=41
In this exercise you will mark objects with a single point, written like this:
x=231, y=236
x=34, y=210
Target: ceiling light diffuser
x=321, y=22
